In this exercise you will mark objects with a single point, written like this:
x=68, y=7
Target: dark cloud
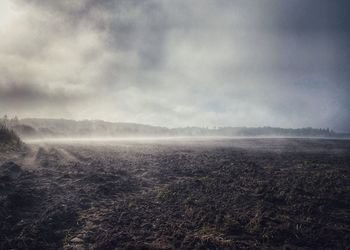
x=321, y=24
x=313, y=16
x=178, y=63
x=17, y=97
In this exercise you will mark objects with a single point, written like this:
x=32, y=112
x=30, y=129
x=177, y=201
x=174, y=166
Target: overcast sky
x=178, y=63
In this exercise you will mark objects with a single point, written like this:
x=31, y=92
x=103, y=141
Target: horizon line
x=180, y=127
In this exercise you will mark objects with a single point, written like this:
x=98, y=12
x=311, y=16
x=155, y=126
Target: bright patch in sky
x=8, y=13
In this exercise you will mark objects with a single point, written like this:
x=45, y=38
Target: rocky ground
x=223, y=194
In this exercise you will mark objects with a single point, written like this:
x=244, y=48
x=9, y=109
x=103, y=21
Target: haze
x=178, y=63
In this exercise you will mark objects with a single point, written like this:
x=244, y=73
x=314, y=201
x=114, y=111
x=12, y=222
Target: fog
x=177, y=63
x=237, y=141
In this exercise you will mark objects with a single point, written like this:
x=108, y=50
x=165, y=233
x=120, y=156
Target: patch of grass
x=160, y=194
x=9, y=137
x=213, y=239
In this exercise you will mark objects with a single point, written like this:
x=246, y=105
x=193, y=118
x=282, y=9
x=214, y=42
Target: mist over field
x=91, y=130
x=174, y=124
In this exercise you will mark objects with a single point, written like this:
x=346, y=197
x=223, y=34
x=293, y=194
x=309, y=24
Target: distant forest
x=35, y=127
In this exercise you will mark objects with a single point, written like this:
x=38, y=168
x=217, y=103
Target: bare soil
x=223, y=194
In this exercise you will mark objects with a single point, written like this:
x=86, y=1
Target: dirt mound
x=9, y=139
x=10, y=145
x=10, y=170
x=106, y=184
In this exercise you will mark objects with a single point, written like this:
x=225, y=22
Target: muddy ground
x=223, y=194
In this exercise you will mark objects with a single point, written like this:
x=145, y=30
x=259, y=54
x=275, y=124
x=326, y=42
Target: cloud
x=178, y=63
x=28, y=99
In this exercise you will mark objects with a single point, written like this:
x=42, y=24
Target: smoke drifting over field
x=178, y=63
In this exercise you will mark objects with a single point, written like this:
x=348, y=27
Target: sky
x=206, y=63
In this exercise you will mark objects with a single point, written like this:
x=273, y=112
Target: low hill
x=34, y=127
